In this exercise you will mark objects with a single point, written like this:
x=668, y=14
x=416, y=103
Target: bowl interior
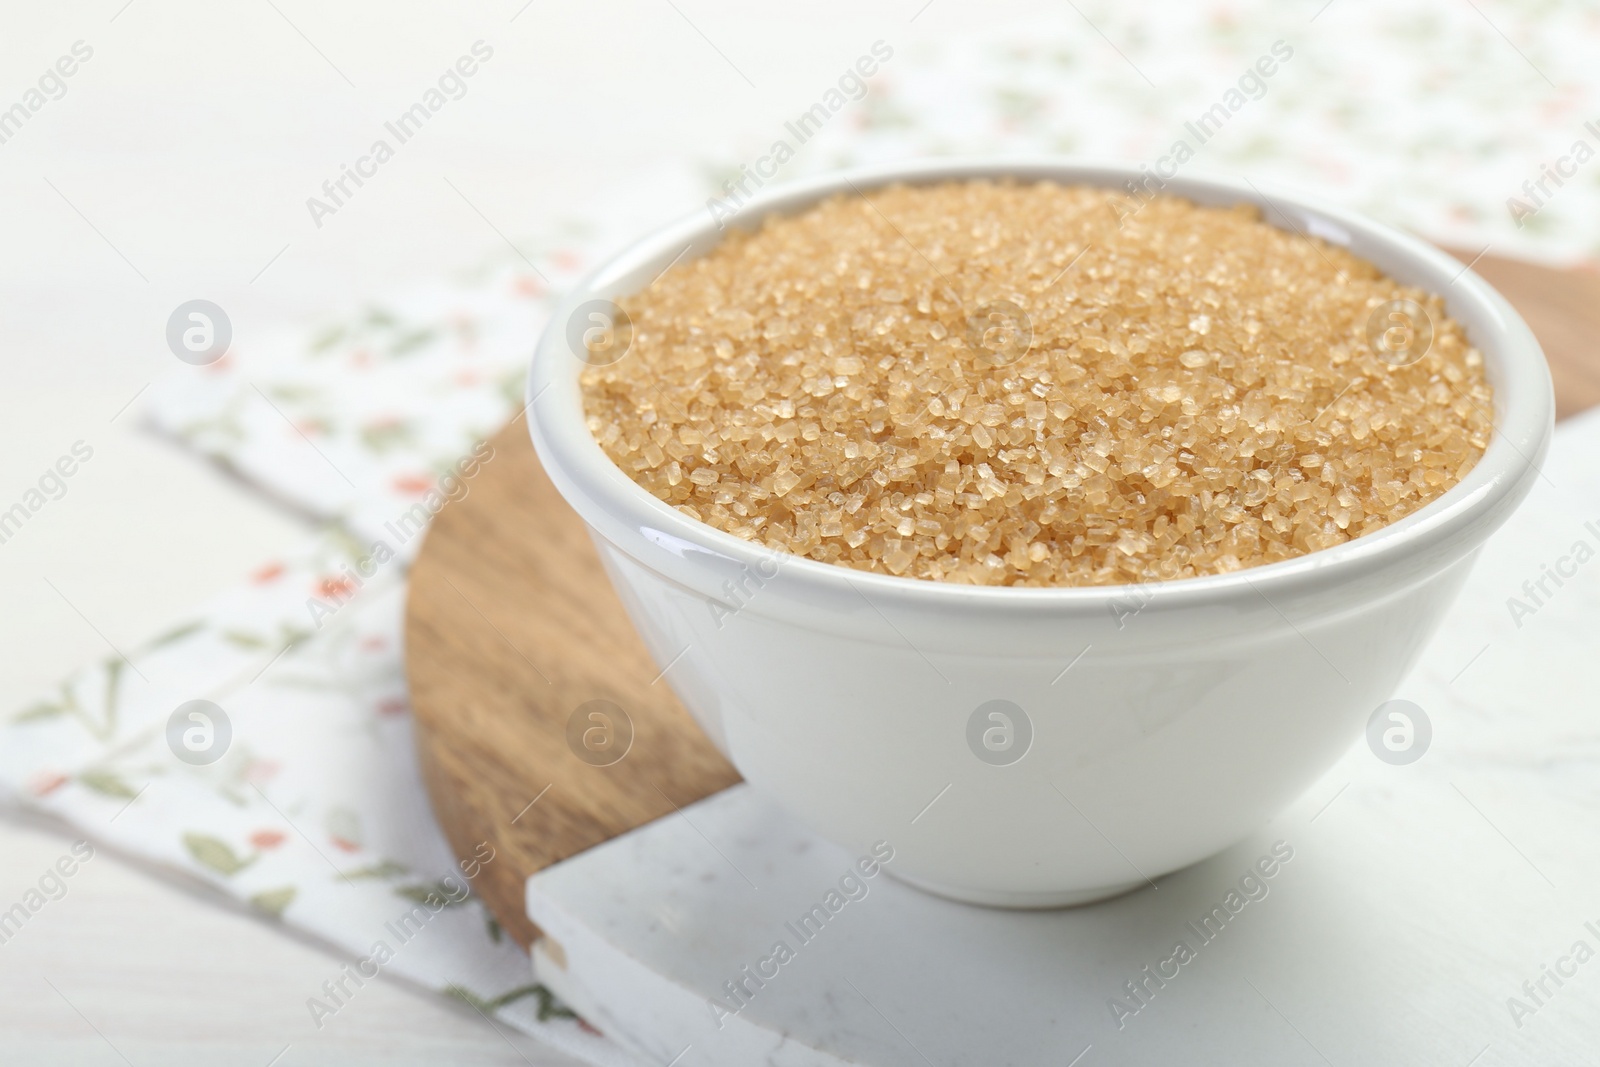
x=1514, y=365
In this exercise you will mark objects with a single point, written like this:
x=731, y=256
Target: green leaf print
x=382, y=869
x=41, y=710
x=172, y=636
x=243, y=640
x=383, y=436
x=433, y=894
x=107, y=784
x=113, y=680
x=215, y=854
x=273, y=901
x=549, y=1006
x=412, y=340
x=327, y=339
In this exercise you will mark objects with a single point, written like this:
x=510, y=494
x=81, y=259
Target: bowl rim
x=604, y=496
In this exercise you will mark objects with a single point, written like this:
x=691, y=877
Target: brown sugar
x=1009, y=384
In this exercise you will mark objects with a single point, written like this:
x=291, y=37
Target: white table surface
x=177, y=166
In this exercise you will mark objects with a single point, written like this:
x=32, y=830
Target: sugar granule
x=1007, y=384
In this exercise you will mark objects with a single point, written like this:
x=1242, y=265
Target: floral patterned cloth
x=1431, y=116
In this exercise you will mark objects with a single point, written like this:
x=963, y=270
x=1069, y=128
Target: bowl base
x=1019, y=900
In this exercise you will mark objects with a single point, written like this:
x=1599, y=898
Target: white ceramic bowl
x=1191, y=711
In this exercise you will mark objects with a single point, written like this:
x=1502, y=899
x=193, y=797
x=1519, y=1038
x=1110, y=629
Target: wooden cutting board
x=513, y=632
